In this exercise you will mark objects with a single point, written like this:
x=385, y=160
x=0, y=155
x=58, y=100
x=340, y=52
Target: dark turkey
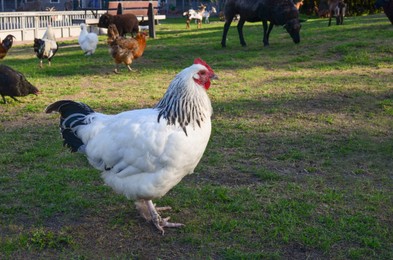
x=14, y=84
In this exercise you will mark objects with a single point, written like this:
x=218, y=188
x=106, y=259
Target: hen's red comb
x=202, y=62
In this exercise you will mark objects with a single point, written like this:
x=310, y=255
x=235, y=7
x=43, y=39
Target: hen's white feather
x=87, y=41
x=141, y=155
x=49, y=48
x=49, y=33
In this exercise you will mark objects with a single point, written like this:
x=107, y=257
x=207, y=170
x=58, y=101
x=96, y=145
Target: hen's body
x=144, y=153
x=6, y=44
x=49, y=33
x=45, y=49
x=14, y=84
x=125, y=50
x=158, y=159
x=87, y=41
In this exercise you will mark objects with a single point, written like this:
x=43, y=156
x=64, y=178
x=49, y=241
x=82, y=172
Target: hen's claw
x=163, y=208
x=165, y=223
x=159, y=222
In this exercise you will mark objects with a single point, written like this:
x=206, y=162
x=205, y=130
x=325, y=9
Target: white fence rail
x=26, y=26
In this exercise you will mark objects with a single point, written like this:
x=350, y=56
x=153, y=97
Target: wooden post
x=150, y=14
x=119, y=9
x=36, y=26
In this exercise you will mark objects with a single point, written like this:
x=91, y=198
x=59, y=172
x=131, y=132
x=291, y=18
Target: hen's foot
x=116, y=70
x=159, y=222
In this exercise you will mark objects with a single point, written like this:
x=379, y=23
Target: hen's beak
x=214, y=76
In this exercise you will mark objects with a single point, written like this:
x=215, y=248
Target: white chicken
x=49, y=33
x=144, y=153
x=87, y=41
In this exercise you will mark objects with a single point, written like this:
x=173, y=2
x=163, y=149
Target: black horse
x=387, y=8
x=277, y=12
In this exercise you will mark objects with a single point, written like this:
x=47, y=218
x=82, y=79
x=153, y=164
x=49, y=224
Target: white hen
x=144, y=153
x=87, y=41
x=49, y=33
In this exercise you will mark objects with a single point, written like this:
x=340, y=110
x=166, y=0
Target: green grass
x=299, y=164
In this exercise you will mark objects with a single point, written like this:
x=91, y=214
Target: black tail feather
x=68, y=107
x=73, y=114
x=71, y=140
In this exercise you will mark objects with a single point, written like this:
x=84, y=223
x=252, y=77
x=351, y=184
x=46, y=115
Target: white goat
x=192, y=14
x=206, y=14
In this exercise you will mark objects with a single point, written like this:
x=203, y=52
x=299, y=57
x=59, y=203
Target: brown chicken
x=6, y=44
x=125, y=50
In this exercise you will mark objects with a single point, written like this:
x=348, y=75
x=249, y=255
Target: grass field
x=299, y=164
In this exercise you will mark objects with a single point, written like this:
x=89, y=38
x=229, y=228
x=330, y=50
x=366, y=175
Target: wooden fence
x=26, y=26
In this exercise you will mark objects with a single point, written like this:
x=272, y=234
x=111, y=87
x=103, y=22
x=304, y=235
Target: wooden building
x=166, y=6
x=42, y=5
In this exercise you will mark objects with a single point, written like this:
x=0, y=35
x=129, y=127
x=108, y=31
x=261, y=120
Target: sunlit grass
x=298, y=165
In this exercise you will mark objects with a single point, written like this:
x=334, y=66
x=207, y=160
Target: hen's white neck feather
x=185, y=102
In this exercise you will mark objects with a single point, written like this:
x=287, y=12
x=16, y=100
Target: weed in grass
x=387, y=106
x=42, y=239
x=37, y=239
x=331, y=196
x=293, y=155
x=267, y=175
x=10, y=245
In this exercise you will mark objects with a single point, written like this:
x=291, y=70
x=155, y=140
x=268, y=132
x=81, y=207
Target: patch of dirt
x=38, y=119
x=298, y=251
x=225, y=175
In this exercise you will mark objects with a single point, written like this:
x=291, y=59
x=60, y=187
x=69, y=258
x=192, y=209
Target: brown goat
x=125, y=23
x=337, y=9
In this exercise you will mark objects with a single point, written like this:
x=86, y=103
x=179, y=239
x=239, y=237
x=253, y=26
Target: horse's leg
x=240, y=31
x=341, y=15
x=266, y=32
x=226, y=28
x=330, y=17
x=265, y=40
